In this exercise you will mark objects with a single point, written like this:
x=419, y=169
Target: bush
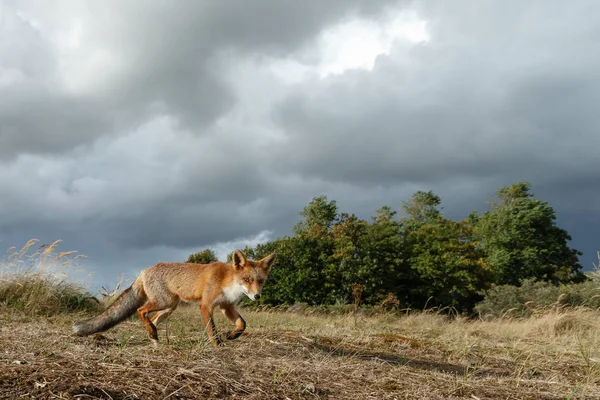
x=205, y=256
x=534, y=296
x=32, y=283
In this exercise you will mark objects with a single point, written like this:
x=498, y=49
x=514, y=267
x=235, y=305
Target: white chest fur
x=233, y=293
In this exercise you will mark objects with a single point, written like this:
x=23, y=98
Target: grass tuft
x=35, y=281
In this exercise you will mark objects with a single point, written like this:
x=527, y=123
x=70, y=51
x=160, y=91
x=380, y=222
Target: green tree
x=451, y=270
x=422, y=257
x=312, y=251
x=423, y=207
x=304, y=260
x=319, y=216
x=296, y=276
x=520, y=239
x=347, y=262
x=449, y=267
x=205, y=256
x=384, y=269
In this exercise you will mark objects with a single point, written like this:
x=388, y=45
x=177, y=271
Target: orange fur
x=161, y=287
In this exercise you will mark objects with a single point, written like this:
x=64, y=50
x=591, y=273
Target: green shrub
x=534, y=296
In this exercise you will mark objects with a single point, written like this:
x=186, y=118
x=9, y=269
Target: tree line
x=421, y=258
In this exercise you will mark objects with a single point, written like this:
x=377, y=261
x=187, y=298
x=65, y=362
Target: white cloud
x=222, y=249
x=356, y=44
x=353, y=44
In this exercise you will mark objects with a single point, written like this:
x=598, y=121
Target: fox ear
x=238, y=259
x=268, y=261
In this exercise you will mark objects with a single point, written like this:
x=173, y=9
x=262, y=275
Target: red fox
x=160, y=288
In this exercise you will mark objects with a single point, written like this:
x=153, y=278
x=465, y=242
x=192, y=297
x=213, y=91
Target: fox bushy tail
x=123, y=307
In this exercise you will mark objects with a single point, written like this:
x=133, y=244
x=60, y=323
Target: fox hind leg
x=162, y=315
x=164, y=304
x=143, y=312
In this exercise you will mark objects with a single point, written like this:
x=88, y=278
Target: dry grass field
x=284, y=355
x=307, y=354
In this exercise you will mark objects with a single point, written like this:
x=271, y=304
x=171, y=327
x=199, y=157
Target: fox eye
x=246, y=279
x=261, y=281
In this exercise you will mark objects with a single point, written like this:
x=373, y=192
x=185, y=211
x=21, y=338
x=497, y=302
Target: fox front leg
x=235, y=317
x=209, y=324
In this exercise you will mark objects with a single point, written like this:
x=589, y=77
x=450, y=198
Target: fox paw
x=233, y=335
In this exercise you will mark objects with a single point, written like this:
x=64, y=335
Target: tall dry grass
x=35, y=280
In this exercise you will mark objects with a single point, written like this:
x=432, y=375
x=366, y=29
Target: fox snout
x=253, y=296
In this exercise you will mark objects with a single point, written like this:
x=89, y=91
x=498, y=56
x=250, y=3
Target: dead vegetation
x=297, y=356
x=37, y=282
x=298, y=353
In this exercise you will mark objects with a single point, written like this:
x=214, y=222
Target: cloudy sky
x=140, y=131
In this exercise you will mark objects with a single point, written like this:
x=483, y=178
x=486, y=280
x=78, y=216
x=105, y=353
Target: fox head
x=250, y=274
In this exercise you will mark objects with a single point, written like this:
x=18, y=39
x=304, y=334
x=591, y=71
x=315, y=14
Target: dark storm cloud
x=355, y=135
x=138, y=58
x=478, y=101
x=140, y=131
